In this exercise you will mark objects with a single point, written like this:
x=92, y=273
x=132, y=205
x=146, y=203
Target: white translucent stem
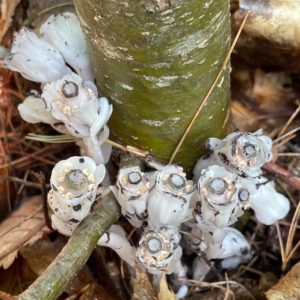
x=116, y=239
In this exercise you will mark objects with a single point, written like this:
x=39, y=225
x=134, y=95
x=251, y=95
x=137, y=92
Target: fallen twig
x=284, y=174
x=76, y=252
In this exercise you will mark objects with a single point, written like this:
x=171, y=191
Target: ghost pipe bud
x=169, y=199
x=74, y=183
x=217, y=204
x=227, y=244
x=115, y=238
x=35, y=59
x=159, y=252
x=132, y=191
x=242, y=153
x=63, y=31
x=269, y=205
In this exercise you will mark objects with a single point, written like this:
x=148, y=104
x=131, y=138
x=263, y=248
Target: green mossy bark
x=156, y=60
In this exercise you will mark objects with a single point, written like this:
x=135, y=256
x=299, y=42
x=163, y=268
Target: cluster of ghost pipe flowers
x=43, y=59
x=229, y=181
x=162, y=200
x=60, y=61
x=241, y=155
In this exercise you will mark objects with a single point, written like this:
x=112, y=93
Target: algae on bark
x=155, y=61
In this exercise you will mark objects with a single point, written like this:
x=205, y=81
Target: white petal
x=269, y=205
x=103, y=117
x=100, y=173
x=33, y=110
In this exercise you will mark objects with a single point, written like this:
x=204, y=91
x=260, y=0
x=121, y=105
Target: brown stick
x=288, y=177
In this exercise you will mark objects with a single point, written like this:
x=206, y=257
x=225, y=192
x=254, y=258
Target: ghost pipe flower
x=35, y=59
x=33, y=110
x=218, y=204
x=115, y=238
x=74, y=183
x=159, y=251
x=242, y=153
x=63, y=31
x=170, y=197
x=269, y=205
x=76, y=104
x=132, y=191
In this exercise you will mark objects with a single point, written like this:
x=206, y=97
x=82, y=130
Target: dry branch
x=76, y=252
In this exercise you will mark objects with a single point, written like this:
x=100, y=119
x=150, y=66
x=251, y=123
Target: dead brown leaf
x=40, y=255
x=288, y=288
x=7, y=11
x=142, y=287
x=96, y=291
x=24, y=227
x=164, y=292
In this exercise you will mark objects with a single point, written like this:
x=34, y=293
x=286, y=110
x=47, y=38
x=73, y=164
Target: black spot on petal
x=77, y=207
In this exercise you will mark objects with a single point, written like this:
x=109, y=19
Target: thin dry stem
x=292, y=230
x=290, y=120
x=291, y=132
x=282, y=250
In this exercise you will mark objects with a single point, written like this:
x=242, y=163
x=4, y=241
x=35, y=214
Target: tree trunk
x=156, y=60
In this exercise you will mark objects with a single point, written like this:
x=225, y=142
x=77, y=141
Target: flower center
x=244, y=195
x=70, y=89
x=218, y=186
x=154, y=245
x=76, y=180
x=249, y=150
x=134, y=177
x=176, y=181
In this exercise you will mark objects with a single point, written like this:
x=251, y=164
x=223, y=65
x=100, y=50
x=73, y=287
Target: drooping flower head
x=74, y=183
x=269, y=205
x=76, y=104
x=170, y=197
x=35, y=59
x=226, y=243
x=63, y=32
x=132, y=191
